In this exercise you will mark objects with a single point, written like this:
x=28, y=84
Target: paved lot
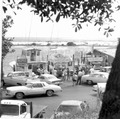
x=79, y=92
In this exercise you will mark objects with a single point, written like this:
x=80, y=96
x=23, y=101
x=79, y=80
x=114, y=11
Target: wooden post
x=73, y=63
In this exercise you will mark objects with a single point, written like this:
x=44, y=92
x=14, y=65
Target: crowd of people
x=66, y=74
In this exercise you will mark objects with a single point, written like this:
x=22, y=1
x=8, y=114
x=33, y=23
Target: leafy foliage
x=6, y=42
x=71, y=44
x=97, y=12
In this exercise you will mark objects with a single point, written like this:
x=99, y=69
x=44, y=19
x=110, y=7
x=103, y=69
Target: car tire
x=89, y=82
x=19, y=95
x=49, y=93
x=19, y=84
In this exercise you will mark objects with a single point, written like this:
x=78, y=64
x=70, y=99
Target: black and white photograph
x=60, y=59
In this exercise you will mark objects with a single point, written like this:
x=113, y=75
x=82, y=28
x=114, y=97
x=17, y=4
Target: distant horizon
x=53, y=39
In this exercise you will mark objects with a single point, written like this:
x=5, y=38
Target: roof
x=71, y=102
x=14, y=102
x=107, y=51
x=110, y=52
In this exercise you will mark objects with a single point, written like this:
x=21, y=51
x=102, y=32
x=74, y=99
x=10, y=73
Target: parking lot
x=79, y=92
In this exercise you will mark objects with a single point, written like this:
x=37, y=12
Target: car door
x=9, y=79
x=18, y=79
x=93, y=77
x=102, y=79
x=37, y=88
x=97, y=78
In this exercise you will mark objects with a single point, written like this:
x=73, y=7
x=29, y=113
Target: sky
x=26, y=25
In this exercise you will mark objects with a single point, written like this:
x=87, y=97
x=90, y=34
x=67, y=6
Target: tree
x=6, y=42
x=71, y=44
x=98, y=12
x=111, y=99
x=6, y=45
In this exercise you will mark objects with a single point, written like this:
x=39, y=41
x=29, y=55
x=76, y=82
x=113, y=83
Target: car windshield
x=94, y=75
x=68, y=108
x=10, y=109
x=18, y=74
x=51, y=77
x=29, y=85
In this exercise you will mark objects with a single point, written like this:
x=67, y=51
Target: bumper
x=9, y=94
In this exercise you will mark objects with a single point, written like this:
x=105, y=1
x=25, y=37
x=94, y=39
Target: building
x=100, y=57
x=30, y=59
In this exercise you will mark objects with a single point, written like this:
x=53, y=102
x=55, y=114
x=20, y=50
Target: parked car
x=100, y=87
x=94, y=78
x=15, y=78
x=33, y=88
x=70, y=108
x=50, y=79
x=106, y=69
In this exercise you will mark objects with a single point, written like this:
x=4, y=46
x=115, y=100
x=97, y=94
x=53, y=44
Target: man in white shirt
x=80, y=74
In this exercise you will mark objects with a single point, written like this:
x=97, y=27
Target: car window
x=101, y=75
x=37, y=85
x=10, y=74
x=42, y=77
x=18, y=74
x=51, y=77
x=94, y=75
x=22, y=109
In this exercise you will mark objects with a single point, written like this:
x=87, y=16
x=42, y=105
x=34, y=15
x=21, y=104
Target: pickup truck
x=21, y=109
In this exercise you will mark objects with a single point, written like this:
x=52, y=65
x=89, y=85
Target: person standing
x=74, y=79
x=80, y=74
x=68, y=74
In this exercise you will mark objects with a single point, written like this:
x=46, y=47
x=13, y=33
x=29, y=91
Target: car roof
x=106, y=73
x=14, y=102
x=18, y=72
x=71, y=102
x=35, y=81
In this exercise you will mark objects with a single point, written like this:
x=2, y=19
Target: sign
x=59, y=58
x=22, y=61
x=77, y=55
x=95, y=59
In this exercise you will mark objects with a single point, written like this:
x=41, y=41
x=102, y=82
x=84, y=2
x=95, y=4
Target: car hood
x=17, y=88
x=54, y=80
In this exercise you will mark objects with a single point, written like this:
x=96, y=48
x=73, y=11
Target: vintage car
x=33, y=88
x=15, y=78
x=70, y=108
x=99, y=86
x=106, y=69
x=50, y=79
x=94, y=78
